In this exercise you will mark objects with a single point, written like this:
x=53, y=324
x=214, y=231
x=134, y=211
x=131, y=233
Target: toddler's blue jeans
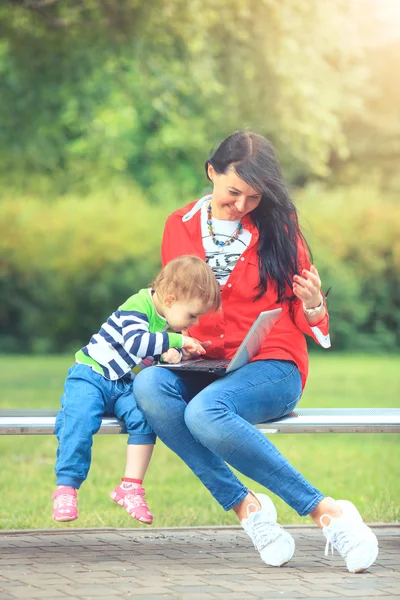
x=208, y=422
x=87, y=397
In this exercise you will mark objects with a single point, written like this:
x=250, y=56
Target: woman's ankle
x=327, y=506
x=246, y=506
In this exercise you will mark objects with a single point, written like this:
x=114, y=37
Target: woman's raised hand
x=307, y=287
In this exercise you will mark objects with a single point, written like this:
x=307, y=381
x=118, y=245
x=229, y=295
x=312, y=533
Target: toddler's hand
x=171, y=356
x=192, y=347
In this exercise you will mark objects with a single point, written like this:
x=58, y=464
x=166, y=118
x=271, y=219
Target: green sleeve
x=175, y=340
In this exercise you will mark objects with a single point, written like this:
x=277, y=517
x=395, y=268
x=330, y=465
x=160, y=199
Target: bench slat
x=302, y=420
x=336, y=420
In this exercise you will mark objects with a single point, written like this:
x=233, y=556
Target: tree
x=92, y=89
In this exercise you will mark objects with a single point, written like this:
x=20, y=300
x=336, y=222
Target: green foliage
x=145, y=89
x=67, y=265
x=373, y=131
x=109, y=109
x=354, y=235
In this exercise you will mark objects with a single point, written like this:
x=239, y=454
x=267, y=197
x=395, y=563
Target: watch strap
x=316, y=309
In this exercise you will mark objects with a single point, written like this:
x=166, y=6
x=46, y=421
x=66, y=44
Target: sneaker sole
x=141, y=520
x=372, y=558
x=290, y=541
x=65, y=519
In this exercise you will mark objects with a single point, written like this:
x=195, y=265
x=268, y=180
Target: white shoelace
x=264, y=533
x=342, y=539
x=65, y=500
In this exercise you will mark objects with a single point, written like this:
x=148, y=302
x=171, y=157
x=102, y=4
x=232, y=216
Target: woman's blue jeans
x=87, y=397
x=208, y=422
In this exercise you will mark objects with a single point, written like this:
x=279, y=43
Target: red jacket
x=227, y=329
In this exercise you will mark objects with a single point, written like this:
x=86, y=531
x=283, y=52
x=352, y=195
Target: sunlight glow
x=383, y=17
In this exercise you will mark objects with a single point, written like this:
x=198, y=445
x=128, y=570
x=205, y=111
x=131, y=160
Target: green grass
x=362, y=468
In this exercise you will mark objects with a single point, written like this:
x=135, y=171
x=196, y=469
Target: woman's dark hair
x=253, y=159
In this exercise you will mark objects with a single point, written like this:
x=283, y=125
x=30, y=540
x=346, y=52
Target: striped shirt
x=132, y=333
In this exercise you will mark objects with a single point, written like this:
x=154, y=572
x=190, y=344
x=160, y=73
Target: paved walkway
x=193, y=564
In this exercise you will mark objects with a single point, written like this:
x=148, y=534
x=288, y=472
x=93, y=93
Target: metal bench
x=302, y=420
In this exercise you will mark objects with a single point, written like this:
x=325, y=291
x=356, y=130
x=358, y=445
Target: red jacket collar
x=194, y=224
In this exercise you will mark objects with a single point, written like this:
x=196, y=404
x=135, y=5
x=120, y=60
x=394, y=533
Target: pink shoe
x=65, y=504
x=134, y=501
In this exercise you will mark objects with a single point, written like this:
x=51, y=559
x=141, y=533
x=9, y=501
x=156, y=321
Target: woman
x=248, y=232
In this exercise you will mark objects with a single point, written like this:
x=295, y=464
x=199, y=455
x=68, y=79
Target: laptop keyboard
x=204, y=365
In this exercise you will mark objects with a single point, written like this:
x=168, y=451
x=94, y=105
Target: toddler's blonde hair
x=189, y=278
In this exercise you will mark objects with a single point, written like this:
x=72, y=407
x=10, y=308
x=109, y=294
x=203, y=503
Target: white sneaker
x=275, y=545
x=351, y=537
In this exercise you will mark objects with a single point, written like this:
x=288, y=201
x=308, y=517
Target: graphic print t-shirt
x=222, y=259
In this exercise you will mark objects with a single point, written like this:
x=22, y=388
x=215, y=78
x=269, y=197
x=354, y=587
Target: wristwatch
x=316, y=309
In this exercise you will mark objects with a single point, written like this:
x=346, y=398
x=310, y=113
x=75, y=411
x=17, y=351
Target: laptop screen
x=253, y=340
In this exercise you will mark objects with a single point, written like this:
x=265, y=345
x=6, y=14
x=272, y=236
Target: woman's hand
x=307, y=287
x=171, y=356
x=193, y=348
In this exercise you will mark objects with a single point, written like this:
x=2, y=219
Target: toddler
x=100, y=382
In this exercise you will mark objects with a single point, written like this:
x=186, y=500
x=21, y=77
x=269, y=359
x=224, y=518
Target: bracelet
x=316, y=310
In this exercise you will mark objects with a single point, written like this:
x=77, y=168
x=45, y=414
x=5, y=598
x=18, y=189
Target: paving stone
x=361, y=593
x=157, y=597
x=232, y=596
x=185, y=564
x=91, y=590
x=29, y=592
x=203, y=589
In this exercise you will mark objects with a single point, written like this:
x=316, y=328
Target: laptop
x=243, y=355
